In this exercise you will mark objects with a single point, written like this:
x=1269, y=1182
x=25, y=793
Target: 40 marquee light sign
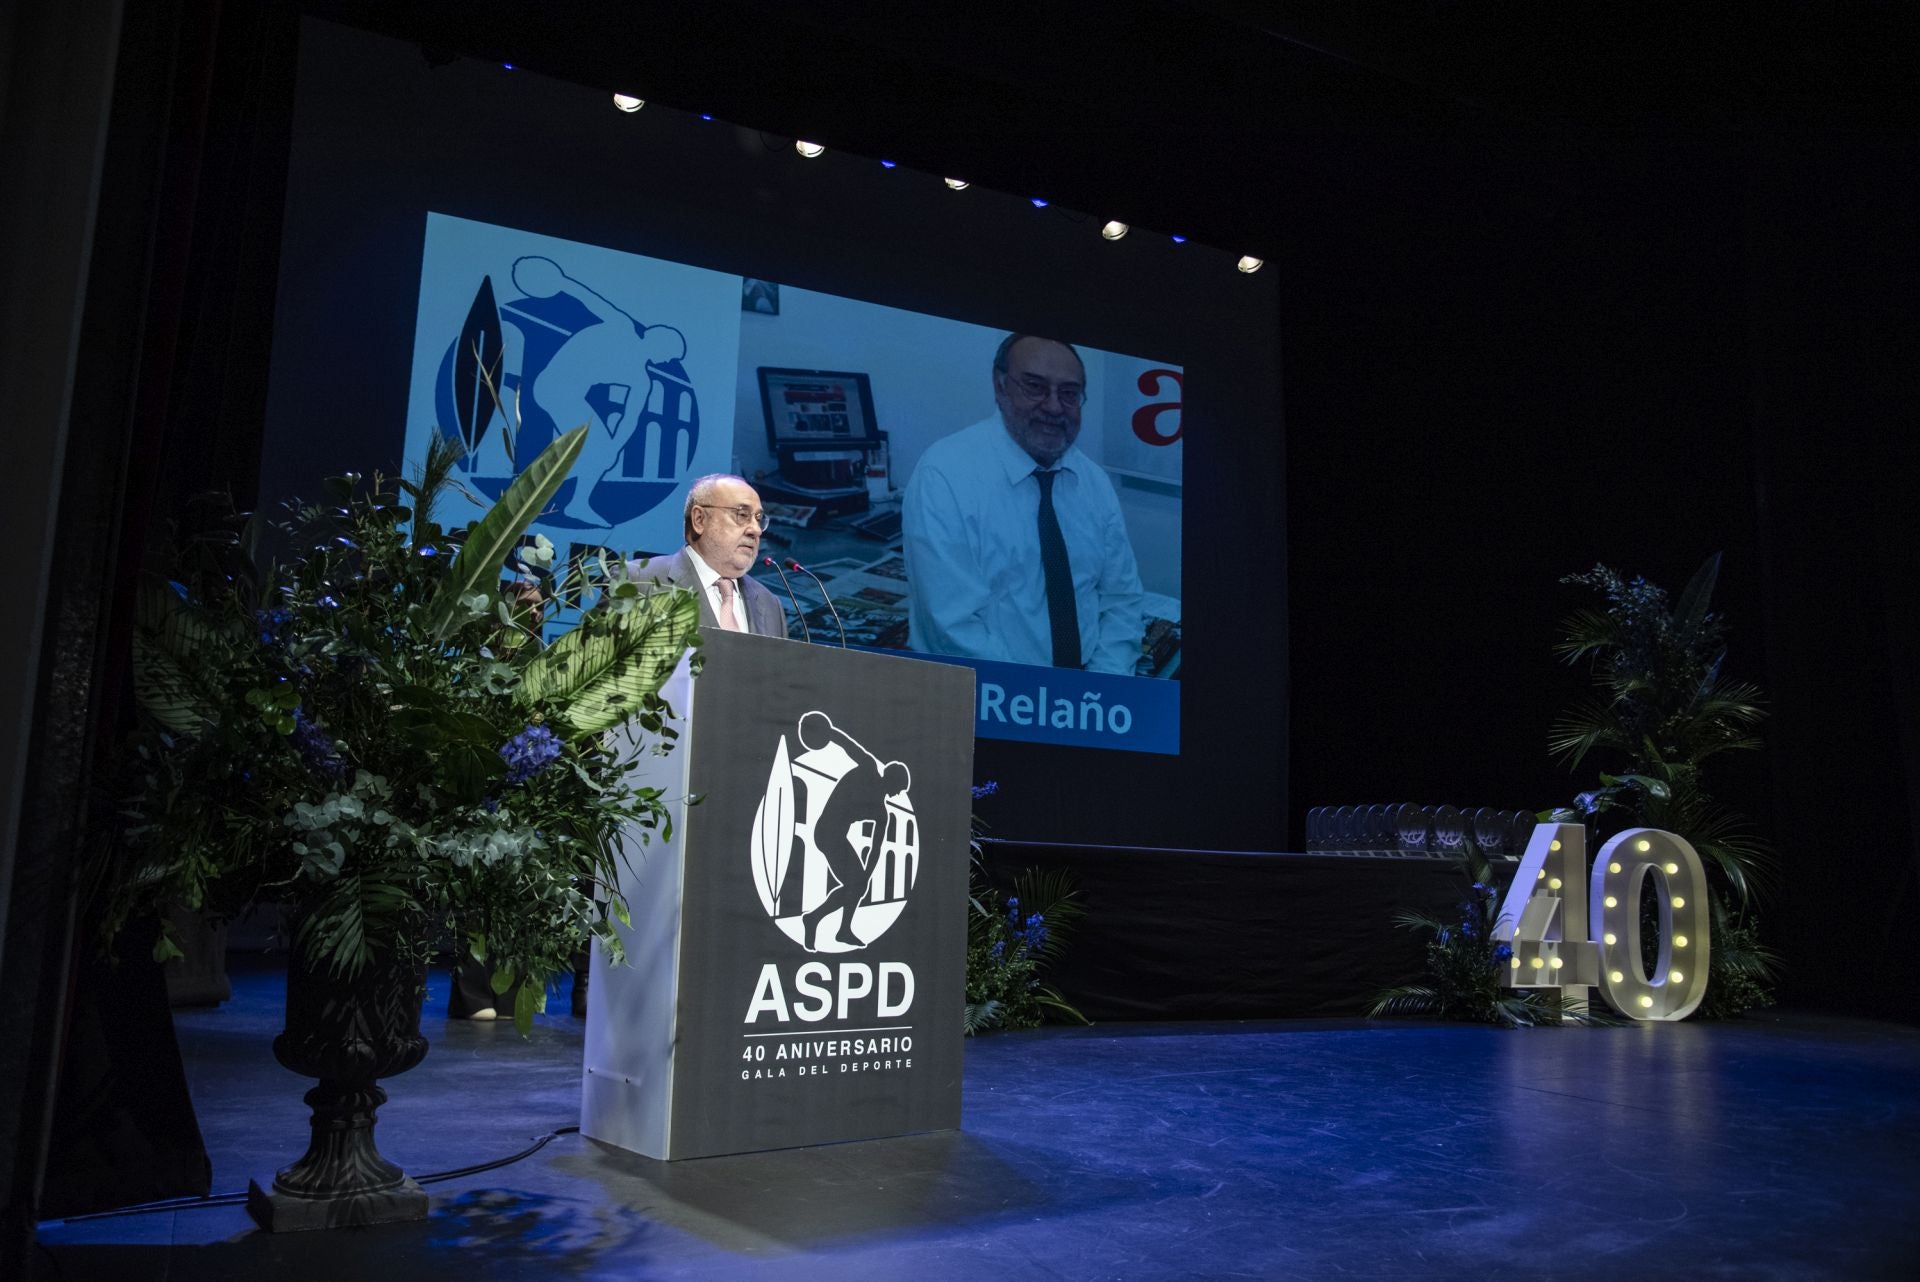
x=1575, y=929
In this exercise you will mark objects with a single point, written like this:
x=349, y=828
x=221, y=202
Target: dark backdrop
x=1636, y=296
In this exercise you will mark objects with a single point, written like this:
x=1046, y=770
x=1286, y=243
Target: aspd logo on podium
x=836, y=844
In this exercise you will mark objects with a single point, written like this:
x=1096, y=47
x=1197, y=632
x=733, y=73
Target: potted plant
x=372, y=733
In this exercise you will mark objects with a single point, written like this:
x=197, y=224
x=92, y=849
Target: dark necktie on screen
x=726, y=604
x=1061, y=610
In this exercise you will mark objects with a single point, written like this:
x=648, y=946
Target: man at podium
x=722, y=523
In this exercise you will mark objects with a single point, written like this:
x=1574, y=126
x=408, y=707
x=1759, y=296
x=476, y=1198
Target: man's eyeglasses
x=1033, y=389
x=740, y=514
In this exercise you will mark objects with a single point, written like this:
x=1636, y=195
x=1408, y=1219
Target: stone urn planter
x=348, y=1033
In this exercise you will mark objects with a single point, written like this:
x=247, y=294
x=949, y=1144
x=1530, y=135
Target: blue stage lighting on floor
x=705, y=116
x=886, y=164
x=1039, y=203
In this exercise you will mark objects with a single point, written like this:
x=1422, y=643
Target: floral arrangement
x=1662, y=709
x=1009, y=947
x=1468, y=969
x=373, y=732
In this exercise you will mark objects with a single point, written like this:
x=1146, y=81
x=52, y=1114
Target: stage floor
x=1783, y=1146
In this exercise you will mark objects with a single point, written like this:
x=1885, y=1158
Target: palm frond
x=1051, y=1001
x=1407, y=999
x=1586, y=631
x=1590, y=723
x=978, y=1017
x=1051, y=893
x=431, y=477
x=1413, y=919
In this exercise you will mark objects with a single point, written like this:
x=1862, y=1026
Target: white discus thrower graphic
x=836, y=844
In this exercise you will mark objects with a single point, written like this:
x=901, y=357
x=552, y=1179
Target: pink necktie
x=726, y=605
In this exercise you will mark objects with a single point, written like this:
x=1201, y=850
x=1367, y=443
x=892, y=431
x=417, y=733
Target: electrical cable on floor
x=239, y=1199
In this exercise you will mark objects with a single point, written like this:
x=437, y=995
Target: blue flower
x=999, y=949
x=1587, y=802
x=529, y=752
x=1503, y=954
x=270, y=623
x=316, y=748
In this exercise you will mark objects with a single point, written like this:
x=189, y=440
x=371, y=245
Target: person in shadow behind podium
x=722, y=522
x=1015, y=544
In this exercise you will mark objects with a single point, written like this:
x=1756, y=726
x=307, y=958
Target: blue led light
x=886, y=164
x=507, y=65
x=705, y=116
x=1039, y=203
x=1179, y=240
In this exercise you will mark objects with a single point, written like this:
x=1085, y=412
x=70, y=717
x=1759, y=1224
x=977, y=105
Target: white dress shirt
x=975, y=583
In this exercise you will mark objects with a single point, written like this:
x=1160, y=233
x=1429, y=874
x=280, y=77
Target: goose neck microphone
x=825, y=596
x=805, y=634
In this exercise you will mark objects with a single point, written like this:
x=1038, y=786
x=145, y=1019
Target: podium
x=796, y=964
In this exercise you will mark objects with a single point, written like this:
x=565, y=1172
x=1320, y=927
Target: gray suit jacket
x=766, y=617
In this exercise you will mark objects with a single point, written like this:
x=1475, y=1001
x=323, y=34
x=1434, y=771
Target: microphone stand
x=805, y=635
x=824, y=596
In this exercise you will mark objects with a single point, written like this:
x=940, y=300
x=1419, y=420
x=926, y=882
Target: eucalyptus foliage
x=372, y=732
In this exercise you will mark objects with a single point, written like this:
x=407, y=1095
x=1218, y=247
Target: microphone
x=824, y=597
x=805, y=635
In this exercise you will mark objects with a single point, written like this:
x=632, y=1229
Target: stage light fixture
x=1555, y=845
x=1249, y=264
x=1612, y=902
x=1616, y=976
x=1611, y=938
x=1678, y=902
x=809, y=149
x=1115, y=230
x=1645, y=1001
x=1536, y=963
x=1614, y=866
x=627, y=102
x=1672, y=870
x=1516, y=963
x=1679, y=941
x=1557, y=963
x=1553, y=883
x=1675, y=976
x=1643, y=845
x=958, y=184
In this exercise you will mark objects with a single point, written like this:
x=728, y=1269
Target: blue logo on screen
x=581, y=359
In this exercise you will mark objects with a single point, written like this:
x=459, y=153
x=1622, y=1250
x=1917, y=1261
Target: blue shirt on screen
x=974, y=579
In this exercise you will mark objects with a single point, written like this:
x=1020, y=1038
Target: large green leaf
x=493, y=536
x=166, y=637
x=465, y=746
x=1690, y=611
x=598, y=675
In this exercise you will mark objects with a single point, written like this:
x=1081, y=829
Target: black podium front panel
x=823, y=921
